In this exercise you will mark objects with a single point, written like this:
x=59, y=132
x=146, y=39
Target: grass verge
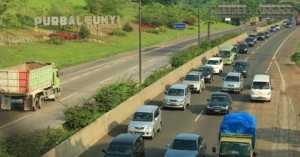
x=296, y=56
x=71, y=52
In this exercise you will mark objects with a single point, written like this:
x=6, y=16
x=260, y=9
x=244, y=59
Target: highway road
x=277, y=130
x=82, y=81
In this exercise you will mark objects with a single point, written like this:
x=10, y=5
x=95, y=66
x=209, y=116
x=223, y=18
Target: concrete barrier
x=89, y=135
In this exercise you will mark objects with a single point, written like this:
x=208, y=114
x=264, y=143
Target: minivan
x=227, y=53
x=129, y=145
x=177, y=96
x=261, y=87
x=146, y=121
x=233, y=82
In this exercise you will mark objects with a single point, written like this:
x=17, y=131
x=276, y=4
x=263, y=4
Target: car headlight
x=130, y=127
x=208, y=75
x=166, y=100
x=244, y=71
x=180, y=101
x=148, y=128
x=269, y=93
x=209, y=107
x=245, y=49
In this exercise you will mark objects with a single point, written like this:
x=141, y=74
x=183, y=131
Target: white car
x=216, y=63
x=277, y=27
x=233, y=82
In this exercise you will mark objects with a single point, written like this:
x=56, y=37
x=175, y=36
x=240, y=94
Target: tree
x=104, y=7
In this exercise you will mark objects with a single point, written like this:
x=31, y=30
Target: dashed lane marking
x=199, y=115
x=68, y=97
x=13, y=122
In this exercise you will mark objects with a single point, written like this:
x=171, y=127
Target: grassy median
x=76, y=52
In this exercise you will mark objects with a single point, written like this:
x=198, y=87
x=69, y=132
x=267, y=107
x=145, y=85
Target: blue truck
x=237, y=136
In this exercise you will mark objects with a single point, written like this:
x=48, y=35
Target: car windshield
x=225, y=54
x=252, y=36
x=242, y=46
x=179, y=144
x=260, y=85
x=261, y=34
x=175, y=92
x=232, y=79
x=240, y=65
x=219, y=98
x=119, y=149
x=205, y=70
x=249, y=39
x=142, y=116
x=212, y=62
x=234, y=149
x=191, y=78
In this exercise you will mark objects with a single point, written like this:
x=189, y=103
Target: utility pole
x=140, y=46
x=208, y=22
x=198, y=23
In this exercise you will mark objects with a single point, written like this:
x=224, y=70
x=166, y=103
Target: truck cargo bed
x=25, y=78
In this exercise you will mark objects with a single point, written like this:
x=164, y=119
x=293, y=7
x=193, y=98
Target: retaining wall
x=86, y=137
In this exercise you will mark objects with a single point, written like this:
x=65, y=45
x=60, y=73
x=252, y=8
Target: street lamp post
x=198, y=23
x=140, y=46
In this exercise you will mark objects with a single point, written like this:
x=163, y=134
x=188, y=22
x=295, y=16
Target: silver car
x=177, y=96
x=195, y=80
x=187, y=145
x=146, y=121
x=233, y=82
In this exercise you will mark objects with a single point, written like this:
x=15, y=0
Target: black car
x=243, y=47
x=254, y=36
x=267, y=35
x=273, y=29
x=126, y=144
x=250, y=41
x=219, y=103
x=241, y=66
x=207, y=71
x=261, y=36
x=288, y=25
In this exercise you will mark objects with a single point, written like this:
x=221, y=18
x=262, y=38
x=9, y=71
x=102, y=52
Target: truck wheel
x=40, y=102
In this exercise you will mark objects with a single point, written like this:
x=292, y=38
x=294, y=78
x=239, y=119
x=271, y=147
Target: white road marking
x=100, y=65
x=152, y=60
x=199, y=115
x=281, y=76
x=13, y=122
x=106, y=80
x=87, y=73
x=68, y=97
x=74, y=78
x=132, y=68
x=96, y=70
x=274, y=56
x=247, y=58
x=169, y=53
x=253, y=52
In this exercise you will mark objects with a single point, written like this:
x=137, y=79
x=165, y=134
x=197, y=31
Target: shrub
x=162, y=29
x=296, y=58
x=153, y=31
x=55, y=40
x=36, y=143
x=78, y=117
x=84, y=32
x=119, y=32
x=155, y=76
x=127, y=28
x=65, y=35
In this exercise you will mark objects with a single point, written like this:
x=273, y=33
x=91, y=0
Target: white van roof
x=261, y=78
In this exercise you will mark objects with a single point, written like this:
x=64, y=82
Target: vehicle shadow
x=213, y=88
x=197, y=108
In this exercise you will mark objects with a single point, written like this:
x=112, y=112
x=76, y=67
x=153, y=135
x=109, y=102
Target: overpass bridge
x=264, y=10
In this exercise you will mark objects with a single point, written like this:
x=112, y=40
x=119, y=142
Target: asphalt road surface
x=82, y=81
x=276, y=135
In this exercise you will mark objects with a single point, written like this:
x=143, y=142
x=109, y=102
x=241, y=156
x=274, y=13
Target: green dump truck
x=26, y=86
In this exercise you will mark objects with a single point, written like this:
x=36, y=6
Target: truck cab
x=233, y=145
x=228, y=54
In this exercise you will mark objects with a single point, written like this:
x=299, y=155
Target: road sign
x=179, y=26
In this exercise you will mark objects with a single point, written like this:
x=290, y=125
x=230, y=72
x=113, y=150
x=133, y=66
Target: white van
x=261, y=88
